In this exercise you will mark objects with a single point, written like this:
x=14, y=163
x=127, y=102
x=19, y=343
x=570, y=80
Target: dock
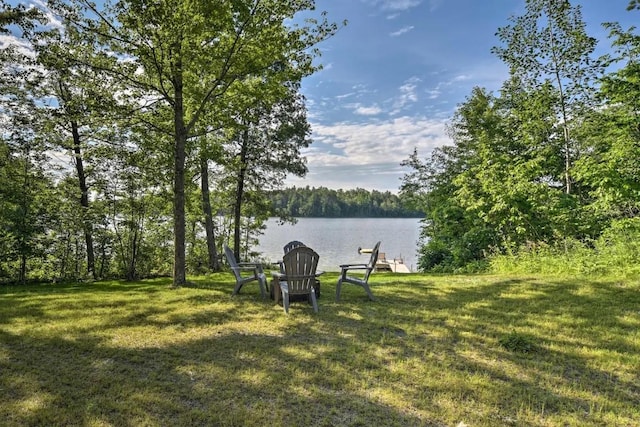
x=395, y=265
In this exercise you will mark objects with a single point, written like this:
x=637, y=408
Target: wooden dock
x=396, y=265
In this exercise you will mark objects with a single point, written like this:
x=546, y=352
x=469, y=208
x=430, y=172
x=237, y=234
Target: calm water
x=337, y=239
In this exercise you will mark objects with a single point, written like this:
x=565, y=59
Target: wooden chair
x=299, y=277
x=360, y=280
x=246, y=272
x=292, y=245
x=275, y=292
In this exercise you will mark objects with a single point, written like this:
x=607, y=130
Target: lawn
x=431, y=351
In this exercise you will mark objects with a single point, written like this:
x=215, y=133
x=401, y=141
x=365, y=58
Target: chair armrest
x=255, y=265
x=318, y=273
x=246, y=268
x=278, y=275
x=250, y=264
x=350, y=266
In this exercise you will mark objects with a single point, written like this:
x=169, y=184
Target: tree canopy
x=145, y=98
x=551, y=159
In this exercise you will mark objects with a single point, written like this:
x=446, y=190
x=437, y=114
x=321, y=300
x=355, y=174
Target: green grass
x=432, y=351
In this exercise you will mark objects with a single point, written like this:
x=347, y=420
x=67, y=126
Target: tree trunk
x=214, y=265
x=65, y=257
x=237, y=214
x=563, y=107
x=131, y=266
x=103, y=258
x=179, y=226
x=84, y=199
x=22, y=277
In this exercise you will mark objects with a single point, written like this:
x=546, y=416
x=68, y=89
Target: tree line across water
x=325, y=202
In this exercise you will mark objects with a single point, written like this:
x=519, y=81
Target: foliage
x=616, y=252
x=324, y=202
x=130, y=101
x=545, y=165
x=428, y=352
x=612, y=136
x=182, y=64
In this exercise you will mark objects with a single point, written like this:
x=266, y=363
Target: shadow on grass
x=426, y=353
x=231, y=379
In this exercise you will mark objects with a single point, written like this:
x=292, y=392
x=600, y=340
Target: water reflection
x=337, y=239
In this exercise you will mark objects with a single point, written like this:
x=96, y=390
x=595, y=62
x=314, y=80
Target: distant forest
x=324, y=202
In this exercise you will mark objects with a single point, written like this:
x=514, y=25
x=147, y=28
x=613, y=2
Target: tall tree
x=210, y=235
x=69, y=95
x=549, y=43
x=266, y=146
x=181, y=57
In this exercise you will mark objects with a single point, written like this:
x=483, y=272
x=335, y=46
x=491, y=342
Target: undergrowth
x=615, y=253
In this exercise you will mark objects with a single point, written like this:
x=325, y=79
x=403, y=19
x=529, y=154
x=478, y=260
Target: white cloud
x=375, y=143
x=461, y=78
x=434, y=5
x=344, y=96
x=434, y=93
x=408, y=95
x=399, y=4
x=20, y=45
x=368, y=111
x=402, y=31
x=349, y=155
x=52, y=20
x=327, y=67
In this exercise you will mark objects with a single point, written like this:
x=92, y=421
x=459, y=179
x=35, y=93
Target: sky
x=393, y=76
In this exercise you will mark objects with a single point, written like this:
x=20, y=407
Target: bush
x=615, y=252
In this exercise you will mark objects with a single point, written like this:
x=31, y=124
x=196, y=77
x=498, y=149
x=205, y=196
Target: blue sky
x=394, y=75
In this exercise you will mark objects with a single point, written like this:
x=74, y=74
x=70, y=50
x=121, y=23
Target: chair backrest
x=292, y=245
x=232, y=262
x=300, y=266
x=372, y=261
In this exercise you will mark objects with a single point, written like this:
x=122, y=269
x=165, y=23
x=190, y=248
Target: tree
x=449, y=188
x=611, y=135
x=270, y=131
x=549, y=44
x=74, y=106
x=19, y=15
x=210, y=234
x=181, y=57
x=23, y=199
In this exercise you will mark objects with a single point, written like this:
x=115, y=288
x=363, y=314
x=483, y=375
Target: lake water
x=337, y=240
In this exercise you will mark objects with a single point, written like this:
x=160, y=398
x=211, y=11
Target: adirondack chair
x=246, y=272
x=299, y=277
x=292, y=245
x=361, y=279
x=275, y=293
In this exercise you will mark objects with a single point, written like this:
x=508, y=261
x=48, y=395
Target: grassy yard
x=432, y=351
